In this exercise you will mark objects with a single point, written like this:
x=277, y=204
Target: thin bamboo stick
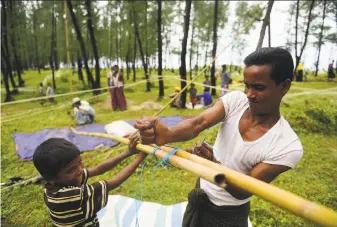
x=206, y=173
x=295, y=204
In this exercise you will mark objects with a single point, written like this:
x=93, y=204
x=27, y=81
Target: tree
x=81, y=42
x=5, y=74
x=160, y=43
x=17, y=64
x=215, y=37
x=52, y=49
x=320, y=37
x=266, y=22
x=6, y=54
x=243, y=24
x=93, y=43
x=148, y=86
x=37, y=61
x=188, y=4
x=299, y=55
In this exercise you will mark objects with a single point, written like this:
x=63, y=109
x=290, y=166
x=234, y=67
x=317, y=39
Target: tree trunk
x=5, y=71
x=146, y=37
x=215, y=37
x=160, y=43
x=56, y=60
x=183, y=51
x=265, y=24
x=93, y=44
x=296, y=32
x=52, y=45
x=269, y=34
x=117, y=35
x=148, y=85
x=82, y=46
x=320, y=38
x=197, y=61
x=5, y=45
x=206, y=54
x=52, y=70
x=134, y=57
x=298, y=57
x=191, y=47
x=13, y=42
x=37, y=61
x=79, y=68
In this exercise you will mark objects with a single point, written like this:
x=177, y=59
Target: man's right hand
x=153, y=130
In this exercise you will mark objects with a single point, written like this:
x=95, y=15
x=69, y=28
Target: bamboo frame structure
x=293, y=203
x=204, y=172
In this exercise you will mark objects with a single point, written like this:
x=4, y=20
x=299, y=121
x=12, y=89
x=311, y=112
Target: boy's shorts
x=193, y=100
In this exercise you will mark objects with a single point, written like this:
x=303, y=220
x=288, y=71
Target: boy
x=50, y=93
x=207, y=83
x=193, y=95
x=70, y=199
x=41, y=93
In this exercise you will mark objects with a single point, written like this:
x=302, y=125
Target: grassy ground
x=313, y=116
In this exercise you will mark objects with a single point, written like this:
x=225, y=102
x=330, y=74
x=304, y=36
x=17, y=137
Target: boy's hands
x=133, y=142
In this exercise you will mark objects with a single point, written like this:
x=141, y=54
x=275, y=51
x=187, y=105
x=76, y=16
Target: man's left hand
x=203, y=150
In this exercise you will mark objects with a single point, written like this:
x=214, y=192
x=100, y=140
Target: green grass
x=314, y=118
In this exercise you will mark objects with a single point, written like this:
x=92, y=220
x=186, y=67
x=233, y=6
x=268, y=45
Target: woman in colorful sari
x=116, y=83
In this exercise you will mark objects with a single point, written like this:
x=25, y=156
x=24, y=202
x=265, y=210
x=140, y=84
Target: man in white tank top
x=253, y=139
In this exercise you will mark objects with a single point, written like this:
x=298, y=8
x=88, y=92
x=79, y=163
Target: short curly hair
x=281, y=61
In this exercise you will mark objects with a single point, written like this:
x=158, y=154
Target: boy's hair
x=280, y=60
x=52, y=155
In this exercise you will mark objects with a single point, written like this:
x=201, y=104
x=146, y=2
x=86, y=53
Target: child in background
x=193, y=95
x=41, y=93
x=207, y=83
x=50, y=92
x=71, y=201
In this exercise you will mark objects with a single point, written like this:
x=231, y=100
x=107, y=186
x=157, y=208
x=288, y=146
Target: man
x=299, y=72
x=83, y=112
x=225, y=79
x=254, y=139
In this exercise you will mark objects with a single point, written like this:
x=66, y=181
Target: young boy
x=207, y=83
x=70, y=199
x=193, y=95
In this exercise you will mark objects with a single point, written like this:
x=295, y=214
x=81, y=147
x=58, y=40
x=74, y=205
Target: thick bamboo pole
x=204, y=172
x=295, y=204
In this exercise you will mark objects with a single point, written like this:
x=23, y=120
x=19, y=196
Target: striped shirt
x=77, y=206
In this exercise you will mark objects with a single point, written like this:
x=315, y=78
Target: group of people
x=49, y=93
x=205, y=98
x=253, y=139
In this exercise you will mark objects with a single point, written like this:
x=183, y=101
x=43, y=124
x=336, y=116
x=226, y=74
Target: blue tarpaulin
x=26, y=143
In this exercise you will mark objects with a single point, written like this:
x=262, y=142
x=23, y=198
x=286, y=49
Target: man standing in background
x=225, y=78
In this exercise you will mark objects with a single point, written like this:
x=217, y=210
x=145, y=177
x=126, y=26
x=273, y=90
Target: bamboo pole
x=206, y=173
x=295, y=204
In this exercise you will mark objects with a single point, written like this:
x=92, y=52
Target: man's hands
x=153, y=130
x=203, y=150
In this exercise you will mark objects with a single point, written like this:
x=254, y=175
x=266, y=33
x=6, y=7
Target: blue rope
x=165, y=161
x=141, y=182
